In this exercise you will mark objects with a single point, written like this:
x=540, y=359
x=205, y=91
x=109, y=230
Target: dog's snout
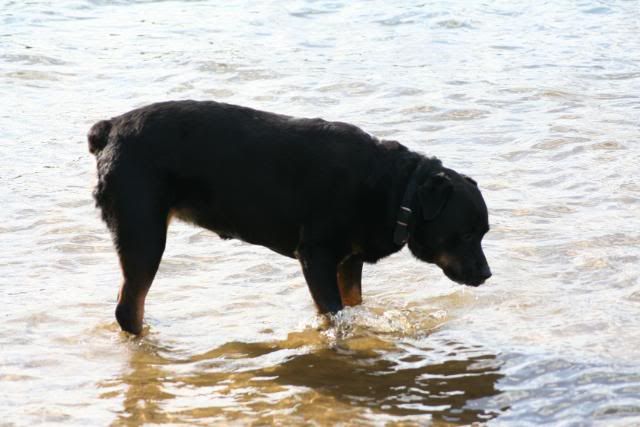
x=483, y=276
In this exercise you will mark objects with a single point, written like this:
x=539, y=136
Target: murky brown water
x=538, y=102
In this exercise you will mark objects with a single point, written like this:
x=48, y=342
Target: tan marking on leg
x=349, y=282
x=351, y=296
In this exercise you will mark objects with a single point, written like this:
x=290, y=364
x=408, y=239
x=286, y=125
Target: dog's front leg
x=349, y=280
x=320, y=268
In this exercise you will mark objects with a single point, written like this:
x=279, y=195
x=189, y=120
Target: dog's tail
x=99, y=136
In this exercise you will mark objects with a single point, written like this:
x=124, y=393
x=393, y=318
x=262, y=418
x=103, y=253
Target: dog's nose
x=482, y=277
x=485, y=274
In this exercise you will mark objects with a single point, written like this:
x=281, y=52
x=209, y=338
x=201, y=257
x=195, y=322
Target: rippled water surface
x=538, y=101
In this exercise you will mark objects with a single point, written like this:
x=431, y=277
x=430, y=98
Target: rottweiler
x=323, y=192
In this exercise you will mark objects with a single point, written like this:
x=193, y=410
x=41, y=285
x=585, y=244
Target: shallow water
x=540, y=103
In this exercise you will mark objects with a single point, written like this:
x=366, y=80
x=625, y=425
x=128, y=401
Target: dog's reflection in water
x=302, y=379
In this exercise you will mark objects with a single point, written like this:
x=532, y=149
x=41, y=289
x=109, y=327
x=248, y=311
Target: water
x=539, y=102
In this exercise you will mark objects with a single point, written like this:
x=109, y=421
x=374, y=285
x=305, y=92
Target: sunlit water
x=539, y=102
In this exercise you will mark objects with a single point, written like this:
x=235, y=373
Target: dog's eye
x=467, y=237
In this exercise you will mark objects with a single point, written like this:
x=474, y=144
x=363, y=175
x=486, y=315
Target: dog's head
x=449, y=223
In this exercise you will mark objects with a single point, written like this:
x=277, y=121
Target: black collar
x=401, y=232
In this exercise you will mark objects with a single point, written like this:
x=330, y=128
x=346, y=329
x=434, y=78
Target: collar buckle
x=401, y=233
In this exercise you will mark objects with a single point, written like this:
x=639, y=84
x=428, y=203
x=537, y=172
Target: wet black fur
x=309, y=189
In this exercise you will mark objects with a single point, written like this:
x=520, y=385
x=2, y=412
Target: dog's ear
x=434, y=194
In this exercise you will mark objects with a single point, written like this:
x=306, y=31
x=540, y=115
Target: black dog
x=326, y=193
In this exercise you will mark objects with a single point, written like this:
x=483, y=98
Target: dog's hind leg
x=349, y=280
x=137, y=216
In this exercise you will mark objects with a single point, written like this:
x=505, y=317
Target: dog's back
x=237, y=171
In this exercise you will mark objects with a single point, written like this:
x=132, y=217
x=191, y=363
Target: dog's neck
x=408, y=207
x=379, y=226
